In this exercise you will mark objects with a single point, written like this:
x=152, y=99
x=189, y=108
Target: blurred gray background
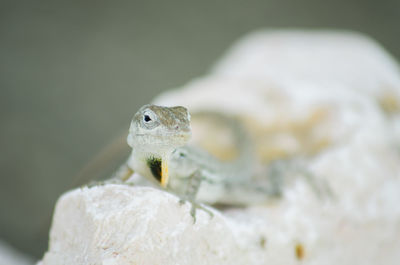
x=74, y=72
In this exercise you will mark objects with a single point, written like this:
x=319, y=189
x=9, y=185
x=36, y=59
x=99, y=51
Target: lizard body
x=158, y=136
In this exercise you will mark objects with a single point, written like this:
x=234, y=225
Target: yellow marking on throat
x=164, y=173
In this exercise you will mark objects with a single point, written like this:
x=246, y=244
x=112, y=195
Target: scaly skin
x=158, y=136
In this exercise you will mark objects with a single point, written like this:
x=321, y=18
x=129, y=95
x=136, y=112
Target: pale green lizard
x=159, y=135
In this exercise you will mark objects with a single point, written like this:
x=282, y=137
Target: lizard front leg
x=190, y=192
x=121, y=176
x=123, y=173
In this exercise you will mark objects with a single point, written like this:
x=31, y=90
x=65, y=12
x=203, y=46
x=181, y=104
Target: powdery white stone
x=333, y=96
x=318, y=57
x=117, y=224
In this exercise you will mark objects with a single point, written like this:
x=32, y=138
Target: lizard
x=159, y=139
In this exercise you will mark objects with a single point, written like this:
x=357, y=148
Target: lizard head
x=155, y=132
x=159, y=130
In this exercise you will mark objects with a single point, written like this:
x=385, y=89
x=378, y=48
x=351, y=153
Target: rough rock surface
x=333, y=97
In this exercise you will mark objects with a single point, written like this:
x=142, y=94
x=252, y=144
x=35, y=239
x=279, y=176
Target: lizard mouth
x=169, y=136
x=171, y=139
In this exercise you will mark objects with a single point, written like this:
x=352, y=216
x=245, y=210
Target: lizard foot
x=194, y=207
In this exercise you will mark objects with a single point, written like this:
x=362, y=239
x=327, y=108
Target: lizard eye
x=146, y=118
x=149, y=120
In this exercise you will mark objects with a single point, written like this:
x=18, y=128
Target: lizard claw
x=194, y=208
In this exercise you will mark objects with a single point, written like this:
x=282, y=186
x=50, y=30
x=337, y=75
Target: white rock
x=331, y=95
x=116, y=224
x=341, y=58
